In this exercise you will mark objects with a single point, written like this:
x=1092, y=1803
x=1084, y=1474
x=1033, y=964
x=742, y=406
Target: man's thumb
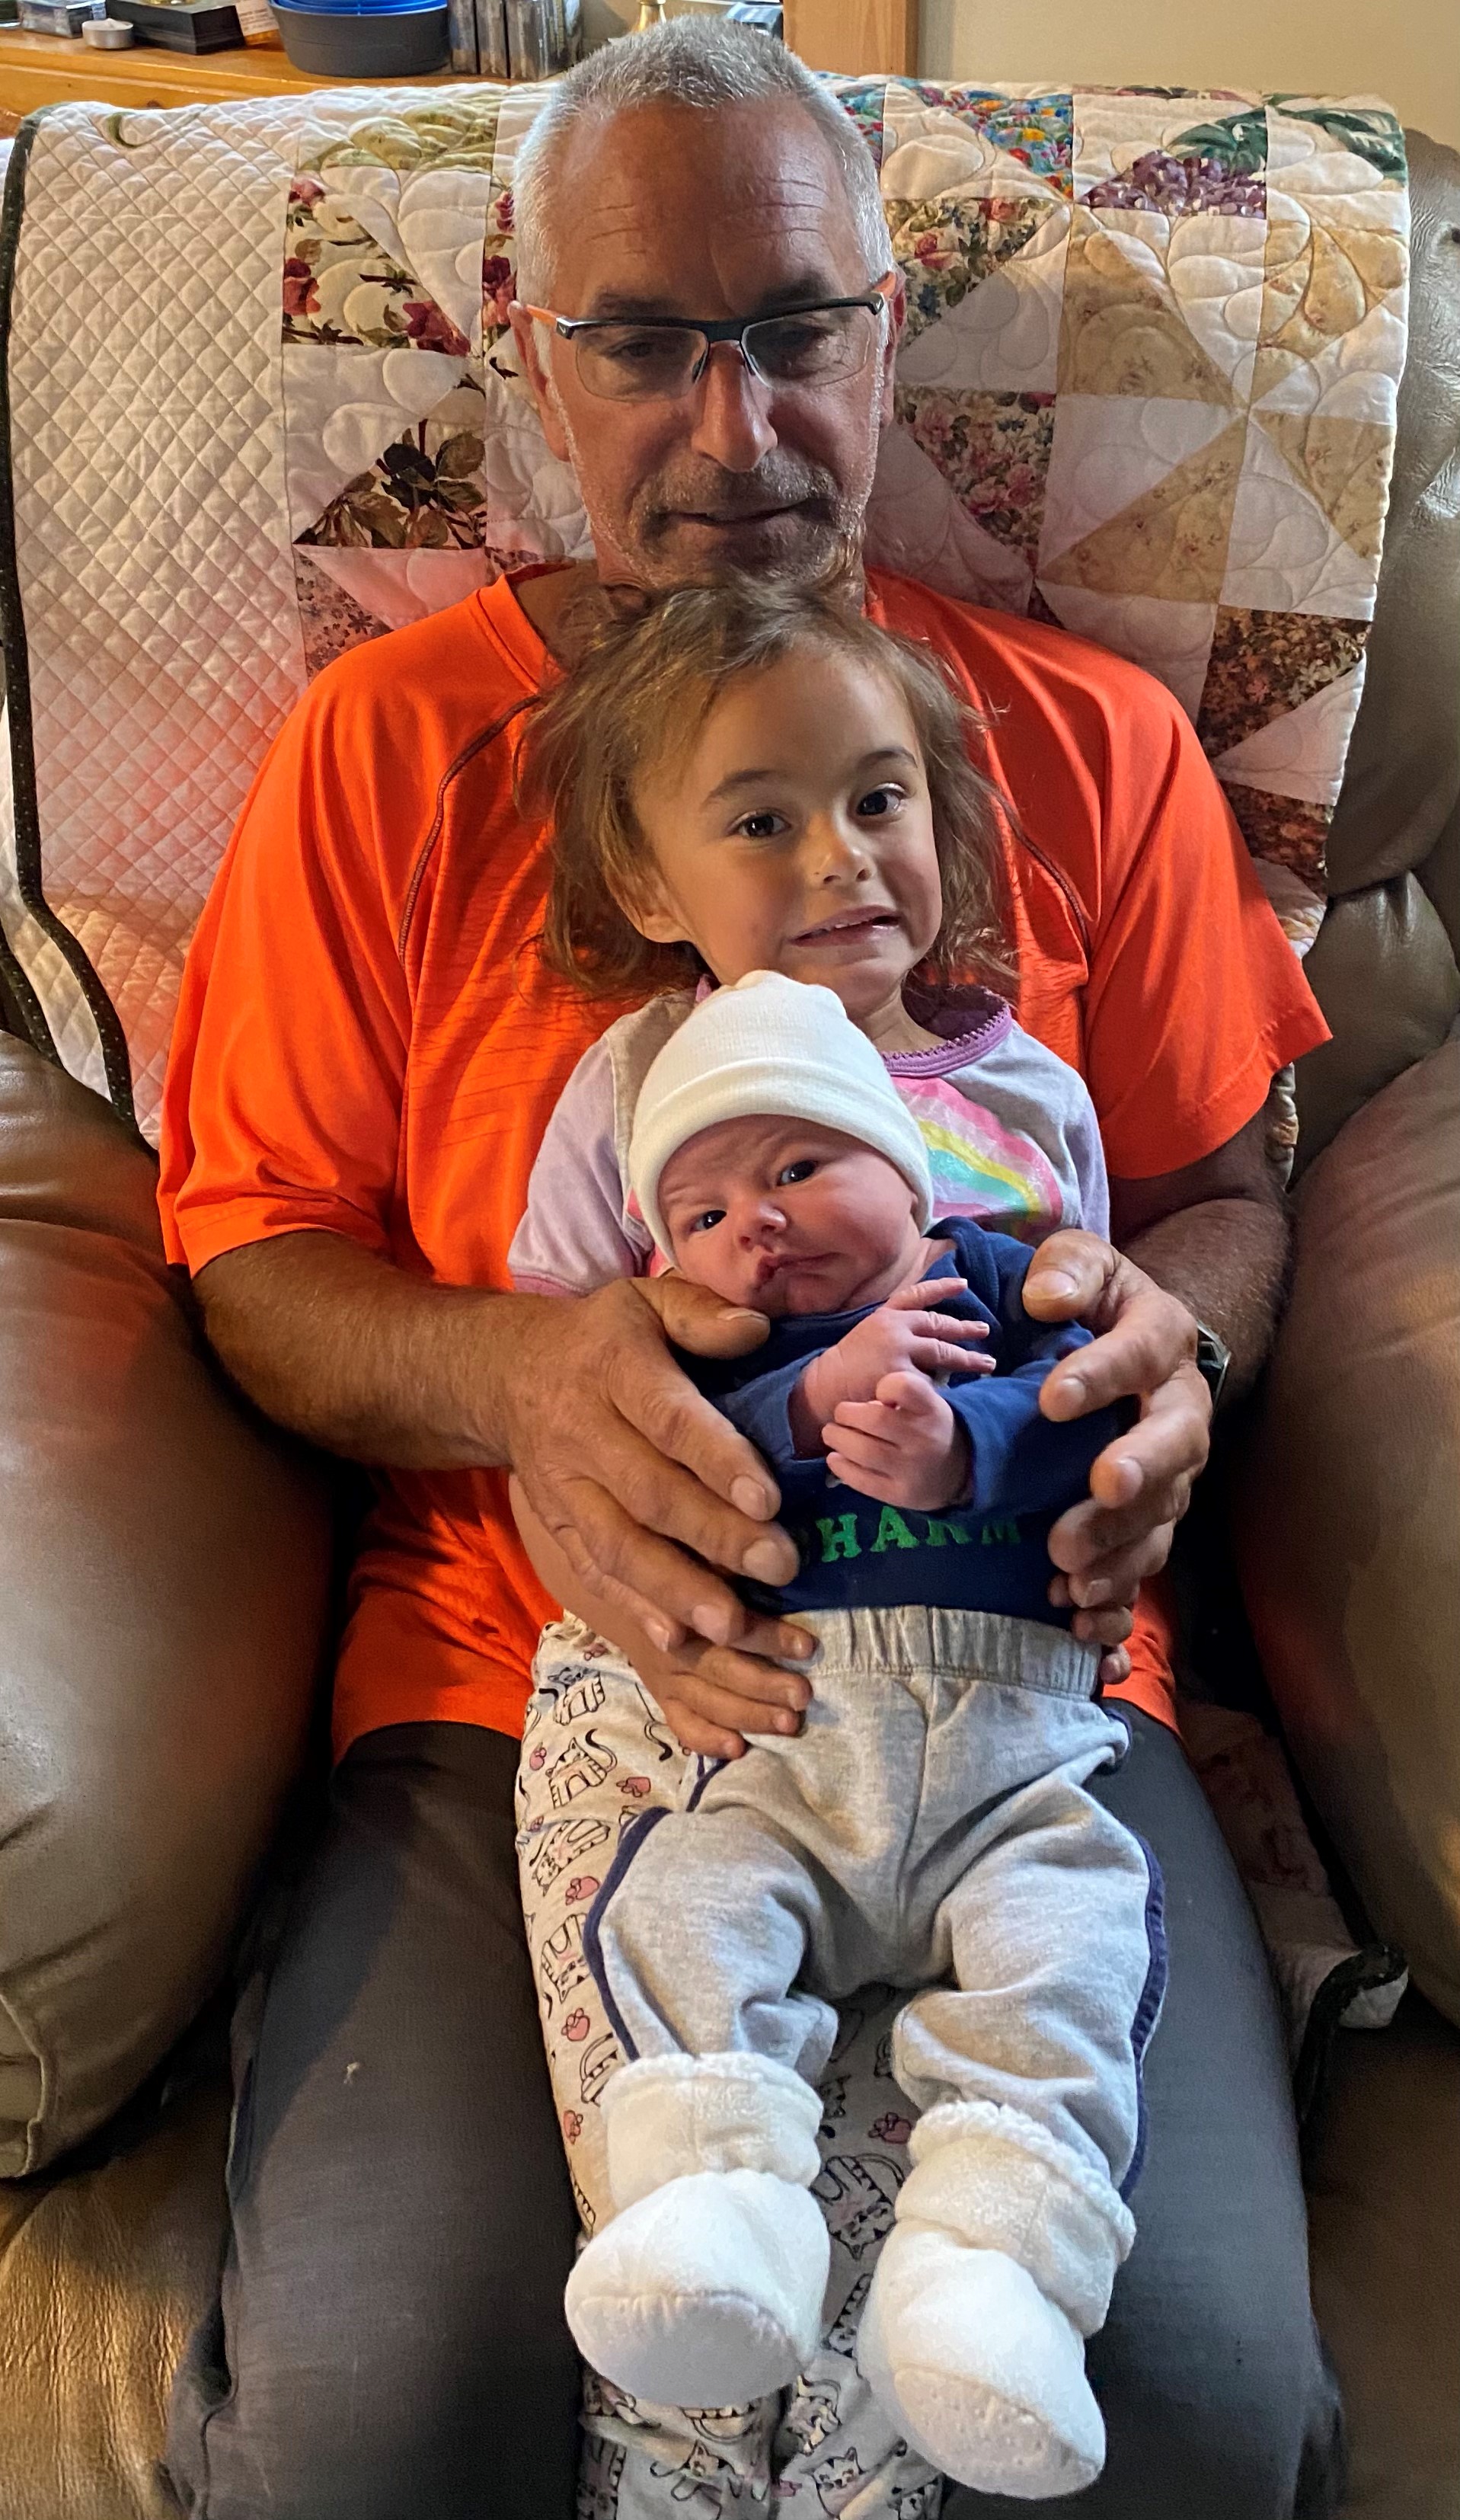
x=1067, y=1276
x=703, y=1322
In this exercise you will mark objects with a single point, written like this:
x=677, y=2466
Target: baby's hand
x=900, y=1334
x=904, y=1446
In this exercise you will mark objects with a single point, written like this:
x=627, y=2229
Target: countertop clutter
x=40, y=69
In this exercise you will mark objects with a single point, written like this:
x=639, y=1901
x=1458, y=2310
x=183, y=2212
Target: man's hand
x=1144, y=1349
x=627, y=1467
x=620, y=1458
x=712, y=1695
x=899, y=1337
x=903, y=1446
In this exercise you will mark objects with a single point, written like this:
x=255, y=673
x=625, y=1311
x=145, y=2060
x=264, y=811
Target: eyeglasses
x=660, y=358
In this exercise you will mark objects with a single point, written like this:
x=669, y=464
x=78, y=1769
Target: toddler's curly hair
x=639, y=689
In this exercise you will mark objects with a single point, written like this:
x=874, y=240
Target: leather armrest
x=1347, y=1511
x=163, y=1568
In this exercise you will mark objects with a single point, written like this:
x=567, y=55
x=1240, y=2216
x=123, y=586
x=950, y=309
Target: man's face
x=667, y=210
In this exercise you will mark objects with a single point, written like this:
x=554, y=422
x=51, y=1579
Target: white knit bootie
x=706, y=2288
x=1001, y=2263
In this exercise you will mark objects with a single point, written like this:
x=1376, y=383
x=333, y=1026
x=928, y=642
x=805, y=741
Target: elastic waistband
x=976, y=1645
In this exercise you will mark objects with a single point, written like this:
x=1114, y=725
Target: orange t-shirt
x=367, y=1041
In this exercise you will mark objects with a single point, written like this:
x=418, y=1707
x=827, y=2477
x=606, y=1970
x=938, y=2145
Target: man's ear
x=528, y=339
x=896, y=315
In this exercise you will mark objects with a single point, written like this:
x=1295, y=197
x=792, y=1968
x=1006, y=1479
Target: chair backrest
x=1384, y=964
x=1147, y=390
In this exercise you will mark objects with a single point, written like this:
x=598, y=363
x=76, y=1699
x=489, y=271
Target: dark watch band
x=1214, y=1360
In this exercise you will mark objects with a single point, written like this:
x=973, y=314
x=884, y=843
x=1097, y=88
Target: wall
x=1407, y=51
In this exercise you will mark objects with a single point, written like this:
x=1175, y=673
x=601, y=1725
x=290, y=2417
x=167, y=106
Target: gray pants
x=931, y=1822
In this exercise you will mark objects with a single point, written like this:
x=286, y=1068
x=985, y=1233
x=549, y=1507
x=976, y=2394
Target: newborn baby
x=930, y=1827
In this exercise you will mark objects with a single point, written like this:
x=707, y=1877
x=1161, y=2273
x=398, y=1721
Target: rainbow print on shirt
x=981, y=1169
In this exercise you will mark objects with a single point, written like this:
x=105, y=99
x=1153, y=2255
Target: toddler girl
x=768, y=777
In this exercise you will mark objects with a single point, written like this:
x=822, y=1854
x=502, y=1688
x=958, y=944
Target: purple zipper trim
x=963, y=1049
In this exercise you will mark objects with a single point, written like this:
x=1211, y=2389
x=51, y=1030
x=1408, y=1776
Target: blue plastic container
x=348, y=39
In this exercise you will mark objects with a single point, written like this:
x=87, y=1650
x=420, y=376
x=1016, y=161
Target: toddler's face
x=788, y=1217
x=797, y=836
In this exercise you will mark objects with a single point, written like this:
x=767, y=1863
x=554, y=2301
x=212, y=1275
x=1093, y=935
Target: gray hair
x=700, y=62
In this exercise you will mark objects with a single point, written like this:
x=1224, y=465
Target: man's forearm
x=363, y=1360
x=1226, y=1260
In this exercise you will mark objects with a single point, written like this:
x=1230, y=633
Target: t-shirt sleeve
x=1194, y=998
x=283, y=1104
x=573, y=1237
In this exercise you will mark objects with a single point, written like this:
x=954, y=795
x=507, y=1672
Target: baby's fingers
x=866, y=1431
x=928, y=1290
x=879, y=1482
x=906, y=1398
x=936, y=1356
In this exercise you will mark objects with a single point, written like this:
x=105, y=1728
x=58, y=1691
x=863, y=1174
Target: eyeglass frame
x=877, y=301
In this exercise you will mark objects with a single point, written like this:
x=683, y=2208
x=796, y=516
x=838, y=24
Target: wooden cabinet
x=854, y=34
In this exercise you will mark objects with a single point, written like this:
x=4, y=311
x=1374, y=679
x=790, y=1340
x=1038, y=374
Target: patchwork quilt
x=262, y=406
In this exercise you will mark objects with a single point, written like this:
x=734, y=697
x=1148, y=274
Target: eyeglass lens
x=647, y=362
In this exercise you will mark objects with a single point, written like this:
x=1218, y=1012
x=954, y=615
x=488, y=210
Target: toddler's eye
x=879, y=802
x=766, y=826
x=801, y=1170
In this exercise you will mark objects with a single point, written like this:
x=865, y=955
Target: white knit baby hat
x=768, y=1047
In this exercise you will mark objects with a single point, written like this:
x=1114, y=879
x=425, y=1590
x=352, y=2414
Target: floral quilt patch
x=993, y=449
x=1034, y=129
x=425, y=491
x=944, y=247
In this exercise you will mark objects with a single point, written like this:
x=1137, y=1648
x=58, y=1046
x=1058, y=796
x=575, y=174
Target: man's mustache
x=780, y=480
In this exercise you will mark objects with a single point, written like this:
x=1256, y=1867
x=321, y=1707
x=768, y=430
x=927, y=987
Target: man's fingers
x=1153, y=1344
x=773, y=1641
x=1168, y=1443
x=734, y=1701
x=1101, y=1576
x=668, y=1442
x=614, y=1547
x=702, y=1740
x=631, y=1569
x=691, y=1436
x=1106, y=1627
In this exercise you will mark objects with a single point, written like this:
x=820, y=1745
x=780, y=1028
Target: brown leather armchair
x=162, y=1565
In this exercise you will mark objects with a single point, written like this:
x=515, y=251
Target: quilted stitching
x=1147, y=390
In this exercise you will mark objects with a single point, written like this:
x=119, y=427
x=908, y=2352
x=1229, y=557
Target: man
x=367, y=1053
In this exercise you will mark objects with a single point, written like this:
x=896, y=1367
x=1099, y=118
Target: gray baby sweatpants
x=930, y=1828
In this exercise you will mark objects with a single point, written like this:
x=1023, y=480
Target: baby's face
x=788, y=1217
x=797, y=836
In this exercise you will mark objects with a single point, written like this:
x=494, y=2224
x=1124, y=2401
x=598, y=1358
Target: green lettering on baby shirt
x=892, y=1532
x=838, y=1537
x=939, y=1532
x=997, y=1535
